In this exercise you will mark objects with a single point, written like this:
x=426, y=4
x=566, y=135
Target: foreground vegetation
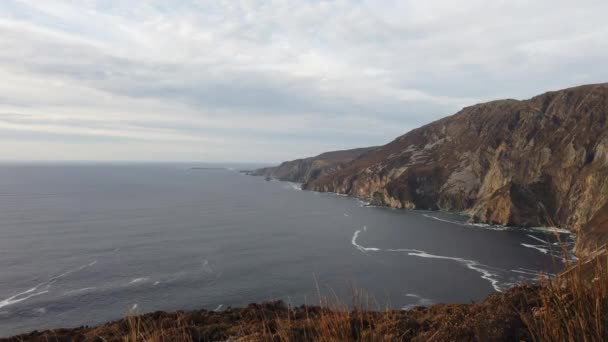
x=571, y=307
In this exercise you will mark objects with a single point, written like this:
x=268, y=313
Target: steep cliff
x=308, y=169
x=536, y=162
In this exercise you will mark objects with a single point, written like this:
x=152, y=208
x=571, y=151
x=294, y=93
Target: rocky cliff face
x=308, y=169
x=537, y=162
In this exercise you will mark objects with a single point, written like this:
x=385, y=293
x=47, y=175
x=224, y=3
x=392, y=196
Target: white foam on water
x=134, y=307
x=219, y=307
x=364, y=228
x=138, y=280
x=156, y=283
x=537, y=247
x=497, y=277
x=420, y=301
x=294, y=186
x=84, y=289
x=67, y=273
x=467, y=224
x=532, y=272
x=484, y=270
x=539, y=239
x=363, y=203
x=361, y=248
x=40, y=310
x=346, y=215
x=551, y=230
x=41, y=288
x=20, y=297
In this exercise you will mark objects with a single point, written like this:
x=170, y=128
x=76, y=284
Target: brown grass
x=574, y=305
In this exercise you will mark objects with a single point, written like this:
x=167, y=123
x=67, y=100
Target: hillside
x=496, y=319
x=536, y=162
x=308, y=169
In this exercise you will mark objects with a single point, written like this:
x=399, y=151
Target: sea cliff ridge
x=536, y=162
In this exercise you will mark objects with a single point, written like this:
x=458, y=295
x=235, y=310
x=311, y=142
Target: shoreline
x=366, y=203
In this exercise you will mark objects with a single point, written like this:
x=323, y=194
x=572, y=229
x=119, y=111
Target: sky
x=266, y=81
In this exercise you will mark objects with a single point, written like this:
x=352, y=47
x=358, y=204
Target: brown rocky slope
x=501, y=317
x=306, y=169
x=536, y=162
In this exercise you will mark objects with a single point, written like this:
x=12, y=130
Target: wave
x=500, y=279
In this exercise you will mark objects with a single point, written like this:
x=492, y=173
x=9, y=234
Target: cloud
x=271, y=80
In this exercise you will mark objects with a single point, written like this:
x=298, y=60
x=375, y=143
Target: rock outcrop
x=536, y=162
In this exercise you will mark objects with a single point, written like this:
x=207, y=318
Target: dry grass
x=331, y=320
x=574, y=305
x=139, y=329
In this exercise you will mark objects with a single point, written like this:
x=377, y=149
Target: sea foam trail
x=20, y=297
x=138, y=280
x=497, y=277
x=537, y=247
x=361, y=248
x=539, y=239
x=42, y=288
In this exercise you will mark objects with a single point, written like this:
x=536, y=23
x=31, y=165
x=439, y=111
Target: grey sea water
x=84, y=244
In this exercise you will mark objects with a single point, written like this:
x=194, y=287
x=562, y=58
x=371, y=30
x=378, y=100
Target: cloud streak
x=271, y=80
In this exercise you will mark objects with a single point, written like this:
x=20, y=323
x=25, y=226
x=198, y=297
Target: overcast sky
x=271, y=80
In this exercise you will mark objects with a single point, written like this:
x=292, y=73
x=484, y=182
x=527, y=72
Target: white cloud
x=271, y=80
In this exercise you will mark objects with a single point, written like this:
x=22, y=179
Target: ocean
x=82, y=244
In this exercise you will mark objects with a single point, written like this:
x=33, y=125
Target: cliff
x=308, y=169
x=536, y=162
